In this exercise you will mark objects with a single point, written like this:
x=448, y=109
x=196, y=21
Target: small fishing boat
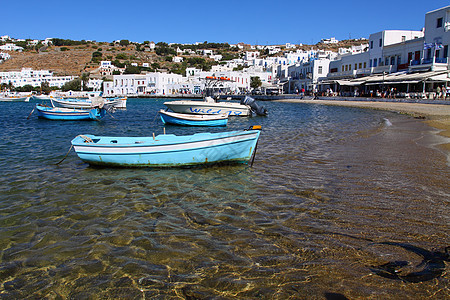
x=41, y=97
x=169, y=117
x=14, y=99
x=69, y=114
x=208, y=107
x=168, y=150
x=89, y=103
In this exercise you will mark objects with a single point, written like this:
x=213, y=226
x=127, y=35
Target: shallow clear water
x=333, y=194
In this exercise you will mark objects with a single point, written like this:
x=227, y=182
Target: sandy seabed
x=434, y=115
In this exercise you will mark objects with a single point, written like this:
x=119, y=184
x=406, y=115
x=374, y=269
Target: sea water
x=339, y=202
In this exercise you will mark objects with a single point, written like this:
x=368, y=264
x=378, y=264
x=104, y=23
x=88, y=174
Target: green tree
x=73, y=85
x=255, y=82
x=121, y=56
x=45, y=87
x=132, y=70
x=84, y=80
x=124, y=42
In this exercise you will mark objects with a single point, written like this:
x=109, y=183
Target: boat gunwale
x=168, y=143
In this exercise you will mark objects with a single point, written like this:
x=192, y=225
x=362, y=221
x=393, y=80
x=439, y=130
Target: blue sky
x=255, y=22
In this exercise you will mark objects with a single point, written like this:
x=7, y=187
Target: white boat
x=41, y=97
x=208, y=107
x=14, y=99
x=88, y=103
x=169, y=117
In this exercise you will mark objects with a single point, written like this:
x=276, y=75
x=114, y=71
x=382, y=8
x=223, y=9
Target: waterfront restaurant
x=410, y=63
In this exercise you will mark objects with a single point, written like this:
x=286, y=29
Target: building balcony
x=345, y=74
x=434, y=64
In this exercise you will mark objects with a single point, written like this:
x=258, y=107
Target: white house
x=107, y=68
x=10, y=47
x=34, y=78
x=139, y=84
x=177, y=59
x=216, y=57
x=437, y=35
x=4, y=56
x=250, y=55
x=329, y=41
x=307, y=75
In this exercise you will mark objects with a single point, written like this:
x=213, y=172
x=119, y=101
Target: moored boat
x=208, y=107
x=168, y=150
x=89, y=103
x=14, y=99
x=193, y=120
x=69, y=114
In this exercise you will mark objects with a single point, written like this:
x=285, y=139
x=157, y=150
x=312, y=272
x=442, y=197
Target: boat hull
x=67, y=114
x=14, y=99
x=193, y=120
x=86, y=103
x=167, y=150
x=208, y=108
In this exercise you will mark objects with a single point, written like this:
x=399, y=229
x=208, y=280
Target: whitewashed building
x=307, y=75
x=107, y=68
x=10, y=47
x=34, y=78
x=141, y=84
x=177, y=59
x=4, y=56
x=329, y=41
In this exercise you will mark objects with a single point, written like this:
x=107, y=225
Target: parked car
x=257, y=92
x=272, y=92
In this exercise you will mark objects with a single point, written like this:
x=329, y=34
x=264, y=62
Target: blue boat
x=168, y=150
x=69, y=114
x=169, y=117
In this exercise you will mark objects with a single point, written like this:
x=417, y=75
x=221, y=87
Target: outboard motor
x=259, y=110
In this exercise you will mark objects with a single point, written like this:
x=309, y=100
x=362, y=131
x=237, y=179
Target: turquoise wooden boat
x=69, y=114
x=168, y=150
x=169, y=117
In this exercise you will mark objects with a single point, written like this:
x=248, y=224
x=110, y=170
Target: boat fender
x=255, y=127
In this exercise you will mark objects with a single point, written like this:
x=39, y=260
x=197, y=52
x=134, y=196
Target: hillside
x=75, y=60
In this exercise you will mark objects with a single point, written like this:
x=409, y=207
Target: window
x=381, y=42
x=365, y=65
x=371, y=44
x=360, y=65
x=320, y=70
x=399, y=60
x=375, y=62
x=393, y=60
x=439, y=23
x=356, y=66
x=417, y=55
x=445, y=51
x=386, y=61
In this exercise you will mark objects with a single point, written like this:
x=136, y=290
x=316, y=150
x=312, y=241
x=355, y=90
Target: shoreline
x=434, y=115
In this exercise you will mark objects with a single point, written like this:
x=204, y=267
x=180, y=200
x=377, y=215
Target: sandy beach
x=435, y=115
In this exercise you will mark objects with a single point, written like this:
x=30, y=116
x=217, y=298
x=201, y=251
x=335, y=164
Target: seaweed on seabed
x=433, y=264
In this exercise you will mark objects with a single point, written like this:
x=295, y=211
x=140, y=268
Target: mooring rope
x=86, y=140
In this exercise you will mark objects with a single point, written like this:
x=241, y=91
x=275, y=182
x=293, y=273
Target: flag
x=439, y=46
x=428, y=46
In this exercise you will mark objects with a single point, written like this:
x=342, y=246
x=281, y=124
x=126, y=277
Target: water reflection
x=331, y=190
